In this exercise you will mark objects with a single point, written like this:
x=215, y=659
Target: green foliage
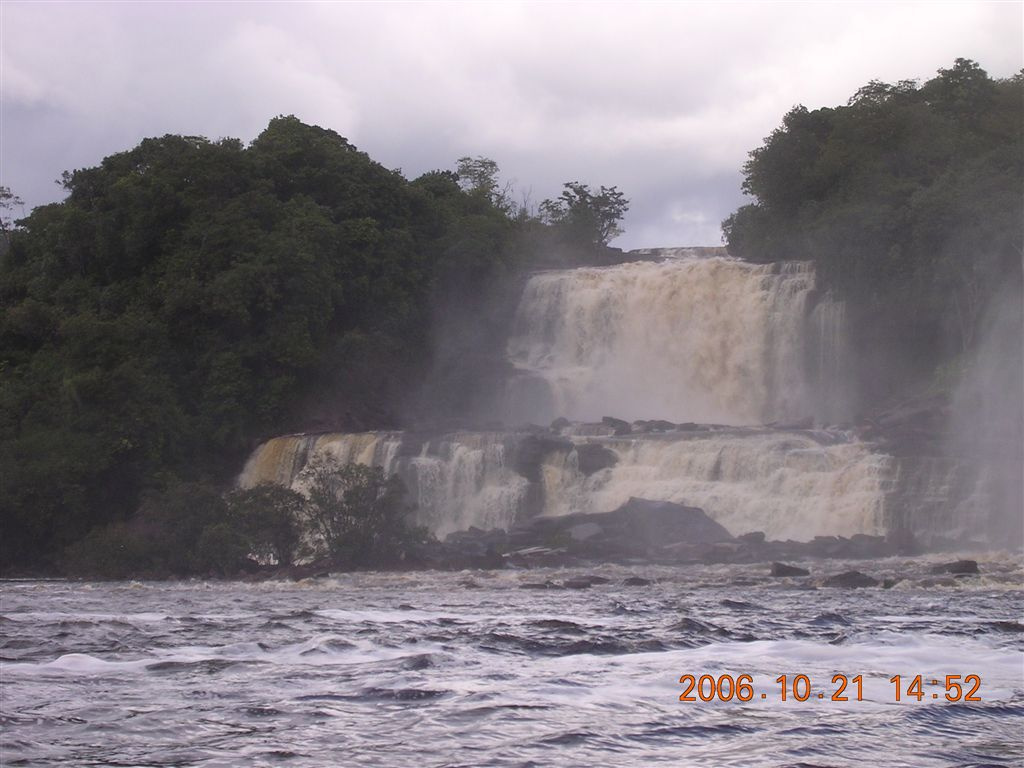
x=221, y=550
x=8, y=202
x=113, y=552
x=269, y=517
x=360, y=513
x=586, y=215
x=908, y=201
x=191, y=297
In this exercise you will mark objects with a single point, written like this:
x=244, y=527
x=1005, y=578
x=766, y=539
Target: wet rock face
x=958, y=568
x=638, y=529
x=621, y=427
x=781, y=569
x=593, y=458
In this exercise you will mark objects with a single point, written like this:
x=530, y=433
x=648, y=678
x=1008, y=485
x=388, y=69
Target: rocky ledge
x=640, y=531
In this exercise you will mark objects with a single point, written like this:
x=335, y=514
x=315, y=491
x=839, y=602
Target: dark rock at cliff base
x=755, y=538
x=851, y=580
x=559, y=424
x=593, y=458
x=621, y=427
x=781, y=569
x=958, y=568
x=653, y=425
x=653, y=530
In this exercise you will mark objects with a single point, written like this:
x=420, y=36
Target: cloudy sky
x=663, y=100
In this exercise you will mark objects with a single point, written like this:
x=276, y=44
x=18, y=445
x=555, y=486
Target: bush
x=360, y=513
x=221, y=550
x=269, y=517
x=113, y=552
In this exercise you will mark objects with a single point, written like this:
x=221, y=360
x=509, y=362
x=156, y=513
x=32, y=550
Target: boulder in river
x=782, y=569
x=640, y=528
x=958, y=568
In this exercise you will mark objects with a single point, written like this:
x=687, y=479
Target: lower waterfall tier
x=789, y=484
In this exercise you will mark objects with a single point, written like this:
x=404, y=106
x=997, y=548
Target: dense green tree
x=908, y=201
x=359, y=513
x=191, y=297
x=585, y=214
x=271, y=519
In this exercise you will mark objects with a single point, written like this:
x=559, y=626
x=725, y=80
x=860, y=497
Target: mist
x=986, y=425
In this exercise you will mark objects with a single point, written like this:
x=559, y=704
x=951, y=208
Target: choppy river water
x=471, y=669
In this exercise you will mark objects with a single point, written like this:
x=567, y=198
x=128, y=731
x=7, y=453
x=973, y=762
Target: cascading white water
x=455, y=481
x=689, y=337
x=787, y=484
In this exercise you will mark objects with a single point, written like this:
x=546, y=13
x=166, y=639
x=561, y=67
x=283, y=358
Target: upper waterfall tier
x=686, y=335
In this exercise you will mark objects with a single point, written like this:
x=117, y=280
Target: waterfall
x=688, y=337
x=791, y=485
x=828, y=361
x=455, y=481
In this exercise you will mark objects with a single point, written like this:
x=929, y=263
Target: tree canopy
x=191, y=297
x=908, y=201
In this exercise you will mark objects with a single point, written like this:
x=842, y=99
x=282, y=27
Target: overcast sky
x=663, y=100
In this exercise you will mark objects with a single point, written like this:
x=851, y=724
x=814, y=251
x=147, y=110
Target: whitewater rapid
x=431, y=668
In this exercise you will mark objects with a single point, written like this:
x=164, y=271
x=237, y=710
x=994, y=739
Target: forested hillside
x=908, y=199
x=191, y=297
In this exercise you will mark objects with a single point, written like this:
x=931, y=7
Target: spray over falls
x=687, y=335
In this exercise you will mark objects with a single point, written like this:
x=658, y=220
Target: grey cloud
x=661, y=100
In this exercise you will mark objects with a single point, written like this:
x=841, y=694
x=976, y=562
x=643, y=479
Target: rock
x=850, y=580
x=958, y=568
x=530, y=453
x=781, y=569
x=890, y=583
x=636, y=581
x=621, y=427
x=863, y=545
x=583, y=583
x=654, y=425
x=559, y=424
x=584, y=531
x=638, y=529
x=593, y=458
x=539, y=585
x=902, y=541
x=754, y=537
x=827, y=546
